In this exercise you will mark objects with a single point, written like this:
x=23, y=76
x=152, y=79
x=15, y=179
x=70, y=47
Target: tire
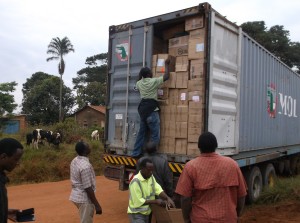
x=255, y=184
x=268, y=175
x=279, y=167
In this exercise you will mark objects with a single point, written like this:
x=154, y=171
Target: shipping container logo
x=122, y=51
x=272, y=100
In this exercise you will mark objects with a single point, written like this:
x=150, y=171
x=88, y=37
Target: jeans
x=138, y=218
x=153, y=124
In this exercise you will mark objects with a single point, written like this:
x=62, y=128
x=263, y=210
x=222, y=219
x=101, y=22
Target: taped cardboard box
x=170, y=83
x=182, y=63
x=167, y=145
x=167, y=129
x=167, y=215
x=160, y=63
x=192, y=149
x=182, y=79
x=182, y=97
x=182, y=113
x=181, y=130
x=178, y=46
x=162, y=93
x=197, y=33
x=196, y=96
x=173, y=31
x=196, y=48
x=195, y=22
x=180, y=146
x=195, y=108
x=168, y=113
x=195, y=121
x=196, y=69
x=193, y=134
x=196, y=85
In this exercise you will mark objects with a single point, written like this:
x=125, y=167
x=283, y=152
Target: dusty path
x=51, y=204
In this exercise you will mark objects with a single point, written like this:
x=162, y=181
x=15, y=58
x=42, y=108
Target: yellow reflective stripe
x=125, y=161
x=120, y=160
x=172, y=168
x=106, y=159
x=130, y=161
x=178, y=167
x=111, y=160
x=116, y=160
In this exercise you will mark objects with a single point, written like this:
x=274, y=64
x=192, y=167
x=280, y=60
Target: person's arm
x=186, y=206
x=91, y=194
x=240, y=206
x=168, y=200
x=167, y=71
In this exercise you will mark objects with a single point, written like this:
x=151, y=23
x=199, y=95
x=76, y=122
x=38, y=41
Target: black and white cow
x=95, y=135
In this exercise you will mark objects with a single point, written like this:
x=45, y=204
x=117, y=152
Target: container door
x=224, y=69
x=130, y=50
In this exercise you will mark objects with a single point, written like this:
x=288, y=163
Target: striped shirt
x=215, y=184
x=82, y=176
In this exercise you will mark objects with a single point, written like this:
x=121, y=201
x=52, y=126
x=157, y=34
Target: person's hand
x=98, y=209
x=12, y=214
x=161, y=203
x=170, y=202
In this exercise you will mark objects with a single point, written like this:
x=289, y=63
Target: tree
x=41, y=98
x=7, y=101
x=58, y=48
x=276, y=40
x=90, y=83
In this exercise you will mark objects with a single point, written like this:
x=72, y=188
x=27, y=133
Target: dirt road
x=52, y=205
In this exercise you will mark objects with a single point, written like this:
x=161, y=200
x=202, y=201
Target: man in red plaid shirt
x=211, y=186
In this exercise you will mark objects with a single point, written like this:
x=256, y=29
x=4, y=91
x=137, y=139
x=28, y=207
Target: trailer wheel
x=254, y=183
x=269, y=175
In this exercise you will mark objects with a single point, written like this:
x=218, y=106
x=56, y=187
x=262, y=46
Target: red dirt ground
x=52, y=205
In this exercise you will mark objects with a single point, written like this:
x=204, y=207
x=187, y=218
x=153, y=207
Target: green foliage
x=50, y=164
x=284, y=189
x=41, y=99
x=276, y=40
x=90, y=83
x=7, y=101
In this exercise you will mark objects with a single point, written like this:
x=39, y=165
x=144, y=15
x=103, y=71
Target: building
x=90, y=115
x=14, y=124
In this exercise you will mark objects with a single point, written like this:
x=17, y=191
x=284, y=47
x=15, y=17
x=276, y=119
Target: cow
x=29, y=138
x=95, y=135
x=54, y=138
x=38, y=136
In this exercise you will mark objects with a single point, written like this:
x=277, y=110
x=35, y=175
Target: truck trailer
x=221, y=81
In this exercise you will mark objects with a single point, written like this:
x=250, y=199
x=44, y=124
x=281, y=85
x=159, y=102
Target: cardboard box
x=196, y=48
x=195, y=22
x=159, y=46
x=182, y=63
x=182, y=79
x=173, y=96
x=181, y=146
x=167, y=145
x=181, y=130
x=196, y=69
x=163, y=93
x=195, y=108
x=182, y=97
x=182, y=112
x=192, y=149
x=160, y=63
x=195, y=121
x=179, y=46
x=195, y=96
x=170, y=83
x=196, y=85
x=173, y=31
x=167, y=128
x=168, y=113
x=193, y=134
x=197, y=33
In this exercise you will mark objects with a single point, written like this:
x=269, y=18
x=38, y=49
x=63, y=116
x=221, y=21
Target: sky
x=28, y=26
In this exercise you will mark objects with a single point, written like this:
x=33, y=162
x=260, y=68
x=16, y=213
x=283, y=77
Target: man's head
x=146, y=167
x=145, y=72
x=82, y=148
x=150, y=147
x=11, y=151
x=207, y=142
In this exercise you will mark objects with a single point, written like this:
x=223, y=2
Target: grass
x=284, y=189
x=49, y=163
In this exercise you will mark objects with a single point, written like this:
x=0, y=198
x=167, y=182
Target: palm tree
x=58, y=48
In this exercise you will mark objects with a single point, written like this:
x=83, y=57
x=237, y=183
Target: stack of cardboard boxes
x=182, y=96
